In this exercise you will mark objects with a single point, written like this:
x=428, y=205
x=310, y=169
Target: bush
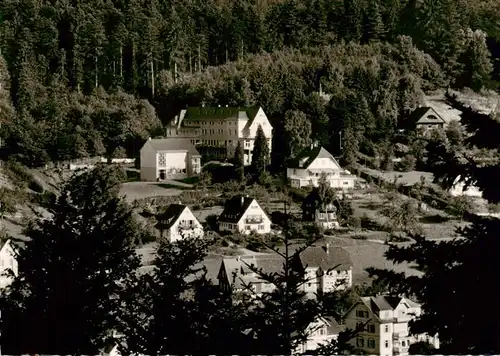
x=297, y=194
x=21, y=177
x=408, y=163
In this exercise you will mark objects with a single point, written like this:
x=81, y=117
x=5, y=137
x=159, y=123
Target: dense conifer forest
x=98, y=77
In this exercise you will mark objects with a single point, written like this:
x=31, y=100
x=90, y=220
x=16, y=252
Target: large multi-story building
x=386, y=330
x=215, y=131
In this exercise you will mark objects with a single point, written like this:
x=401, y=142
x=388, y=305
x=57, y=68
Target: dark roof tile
x=235, y=208
x=174, y=144
x=326, y=257
x=170, y=216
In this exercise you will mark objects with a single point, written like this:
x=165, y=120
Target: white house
x=7, y=262
x=321, y=332
x=178, y=222
x=216, y=131
x=310, y=164
x=386, y=332
x=458, y=189
x=171, y=158
x=327, y=268
x=244, y=215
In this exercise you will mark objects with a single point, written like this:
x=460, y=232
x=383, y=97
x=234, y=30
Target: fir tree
x=352, y=20
x=175, y=302
x=446, y=265
x=260, y=155
x=374, y=29
x=72, y=271
x=239, y=157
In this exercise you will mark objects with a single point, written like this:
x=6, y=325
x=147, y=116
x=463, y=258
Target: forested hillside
x=86, y=77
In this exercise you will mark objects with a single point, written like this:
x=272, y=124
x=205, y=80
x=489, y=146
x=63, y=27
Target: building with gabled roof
x=244, y=215
x=236, y=274
x=310, y=164
x=178, y=222
x=216, y=131
x=425, y=119
x=169, y=158
x=327, y=268
x=324, y=215
x=386, y=332
x=320, y=332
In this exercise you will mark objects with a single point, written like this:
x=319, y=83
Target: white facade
x=187, y=225
x=319, y=333
x=327, y=281
x=7, y=262
x=325, y=164
x=387, y=332
x=222, y=134
x=254, y=219
x=175, y=163
x=458, y=189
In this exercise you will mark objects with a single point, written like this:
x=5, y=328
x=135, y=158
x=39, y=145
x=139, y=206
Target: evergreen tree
x=374, y=29
x=446, y=265
x=280, y=320
x=72, y=270
x=352, y=20
x=239, y=163
x=297, y=131
x=350, y=148
x=260, y=155
x=476, y=58
x=175, y=302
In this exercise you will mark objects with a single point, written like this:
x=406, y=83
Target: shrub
x=407, y=163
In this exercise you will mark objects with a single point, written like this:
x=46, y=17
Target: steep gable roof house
x=310, y=164
x=177, y=222
x=424, y=119
x=216, y=131
x=243, y=214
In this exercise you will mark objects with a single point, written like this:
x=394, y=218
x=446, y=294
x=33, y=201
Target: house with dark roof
x=244, y=215
x=386, y=331
x=326, y=268
x=310, y=164
x=169, y=158
x=178, y=222
x=324, y=215
x=8, y=262
x=425, y=119
x=216, y=131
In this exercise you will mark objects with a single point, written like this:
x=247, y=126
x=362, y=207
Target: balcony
x=254, y=220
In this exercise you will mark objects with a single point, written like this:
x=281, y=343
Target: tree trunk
x=152, y=77
x=175, y=72
x=96, y=79
x=121, y=61
x=199, y=58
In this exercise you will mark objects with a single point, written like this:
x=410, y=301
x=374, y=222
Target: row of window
x=228, y=225
x=360, y=342
x=249, y=227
